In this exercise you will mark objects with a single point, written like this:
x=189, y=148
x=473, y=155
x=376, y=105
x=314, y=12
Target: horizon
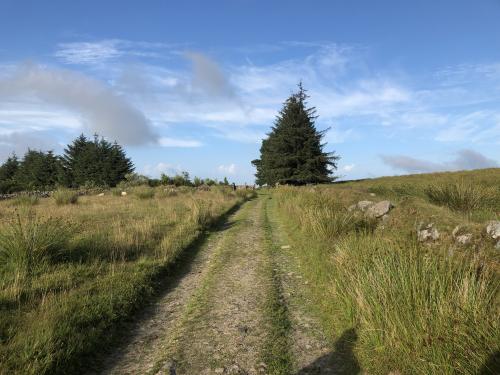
x=404, y=89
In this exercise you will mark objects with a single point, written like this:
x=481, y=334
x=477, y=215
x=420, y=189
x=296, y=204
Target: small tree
x=293, y=152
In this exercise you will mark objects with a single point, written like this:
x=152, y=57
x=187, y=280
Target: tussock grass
x=460, y=196
x=144, y=192
x=65, y=196
x=417, y=308
x=25, y=200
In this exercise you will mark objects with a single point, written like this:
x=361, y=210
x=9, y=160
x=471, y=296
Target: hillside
x=394, y=275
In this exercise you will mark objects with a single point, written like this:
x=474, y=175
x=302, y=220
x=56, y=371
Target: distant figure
x=234, y=186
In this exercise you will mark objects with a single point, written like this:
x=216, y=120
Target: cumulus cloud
x=100, y=109
x=161, y=167
x=229, y=169
x=465, y=159
x=19, y=143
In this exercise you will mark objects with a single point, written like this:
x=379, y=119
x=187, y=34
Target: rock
x=364, y=205
x=497, y=246
x=372, y=194
x=463, y=239
x=379, y=209
x=285, y=247
x=124, y=193
x=100, y=195
x=219, y=370
x=493, y=229
x=428, y=233
x=352, y=207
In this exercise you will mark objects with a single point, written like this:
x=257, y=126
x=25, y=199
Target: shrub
x=65, y=196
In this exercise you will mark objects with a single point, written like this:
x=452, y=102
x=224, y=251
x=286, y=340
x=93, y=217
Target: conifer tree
x=293, y=151
x=7, y=172
x=95, y=161
x=38, y=170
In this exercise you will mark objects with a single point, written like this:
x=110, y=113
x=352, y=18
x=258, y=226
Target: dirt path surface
x=212, y=318
x=147, y=335
x=224, y=328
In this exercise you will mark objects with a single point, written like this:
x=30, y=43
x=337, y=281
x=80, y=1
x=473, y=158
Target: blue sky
x=404, y=86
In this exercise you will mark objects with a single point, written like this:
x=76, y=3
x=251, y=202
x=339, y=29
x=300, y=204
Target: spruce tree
x=38, y=170
x=7, y=172
x=293, y=151
x=96, y=161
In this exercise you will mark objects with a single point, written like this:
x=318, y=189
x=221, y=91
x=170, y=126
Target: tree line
x=85, y=162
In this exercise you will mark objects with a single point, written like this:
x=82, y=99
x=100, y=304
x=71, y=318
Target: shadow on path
x=342, y=361
x=492, y=364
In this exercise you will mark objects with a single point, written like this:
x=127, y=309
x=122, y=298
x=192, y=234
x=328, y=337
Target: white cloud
x=161, y=167
x=229, y=169
x=465, y=159
x=173, y=142
x=98, y=107
x=348, y=167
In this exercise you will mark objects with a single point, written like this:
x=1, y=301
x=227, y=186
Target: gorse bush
x=459, y=196
x=65, y=196
x=28, y=242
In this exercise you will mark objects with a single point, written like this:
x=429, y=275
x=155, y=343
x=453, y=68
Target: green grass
x=417, y=308
x=276, y=352
x=89, y=269
x=25, y=200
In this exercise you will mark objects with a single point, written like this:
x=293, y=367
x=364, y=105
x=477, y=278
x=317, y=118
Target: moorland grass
x=417, y=308
x=65, y=196
x=107, y=266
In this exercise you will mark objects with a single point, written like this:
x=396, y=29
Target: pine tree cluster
x=95, y=162
x=293, y=152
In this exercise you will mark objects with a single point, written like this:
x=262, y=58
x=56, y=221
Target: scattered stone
x=308, y=347
x=493, y=229
x=372, y=194
x=124, y=193
x=285, y=247
x=427, y=233
x=379, y=209
x=219, y=370
x=461, y=239
x=100, y=195
x=464, y=239
x=364, y=205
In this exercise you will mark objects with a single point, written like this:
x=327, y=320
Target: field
x=295, y=280
x=73, y=267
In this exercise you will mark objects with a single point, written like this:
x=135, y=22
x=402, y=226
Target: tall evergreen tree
x=95, y=161
x=293, y=152
x=38, y=170
x=7, y=172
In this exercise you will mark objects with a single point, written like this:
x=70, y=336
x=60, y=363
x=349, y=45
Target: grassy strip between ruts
x=71, y=307
x=276, y=351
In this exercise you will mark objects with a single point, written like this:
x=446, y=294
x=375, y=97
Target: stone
x=372, y=194
x=493, y=229
x=379, y=209
x=463, y=239
x=100, y=195
x=364, y=205
x=285, y=247
x=124, y=193
x=219, y=370
x=497, y=246
x=427, y=233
